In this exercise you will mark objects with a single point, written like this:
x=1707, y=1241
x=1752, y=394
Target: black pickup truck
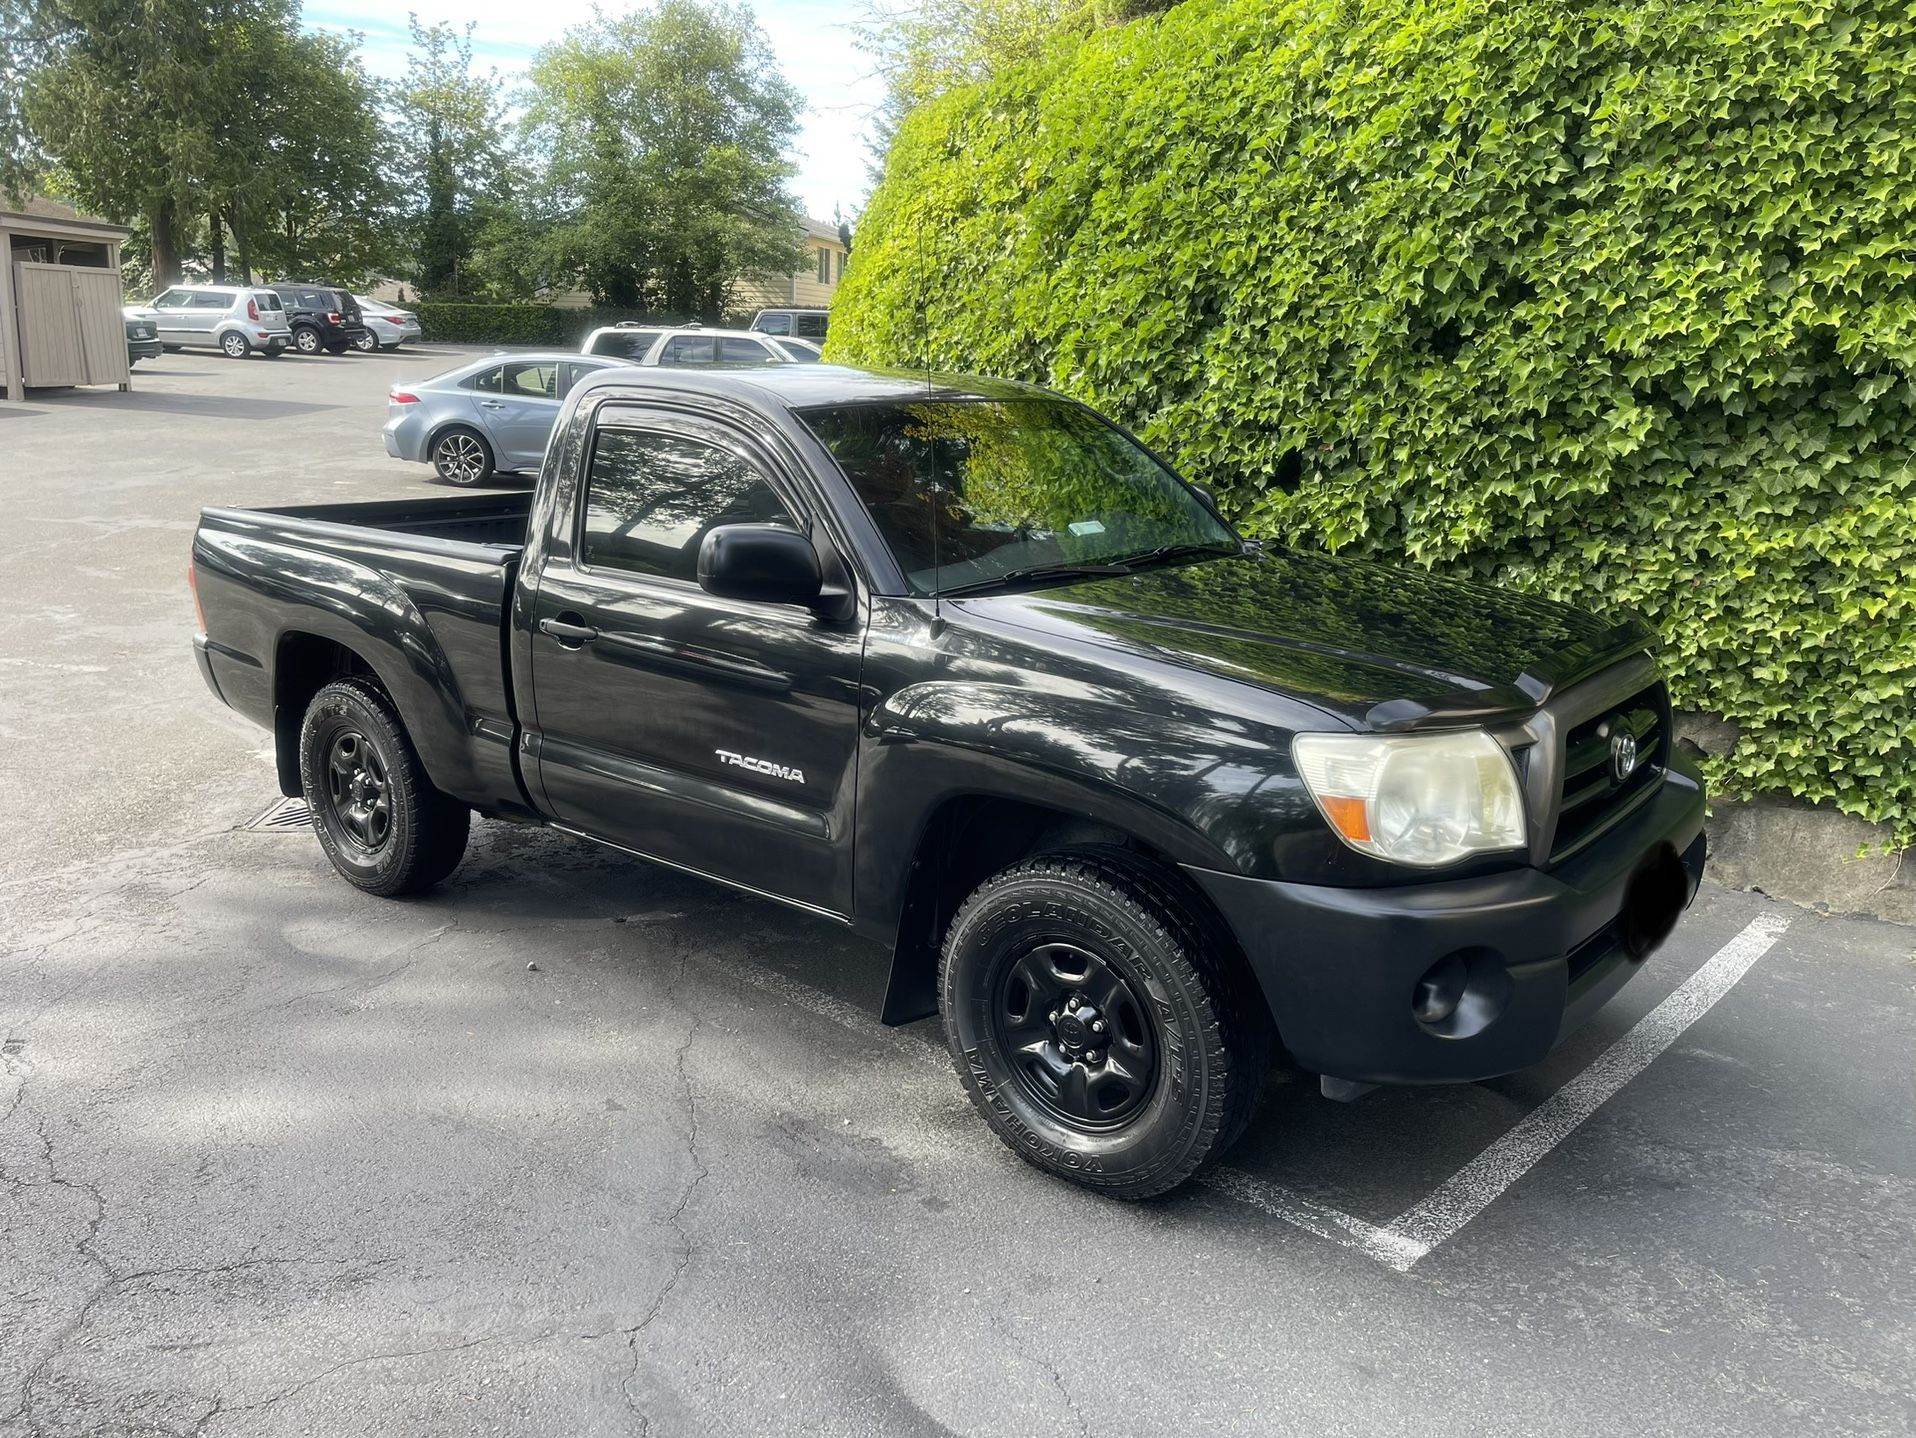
x=961, y=665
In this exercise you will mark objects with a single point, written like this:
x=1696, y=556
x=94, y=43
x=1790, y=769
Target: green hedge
x=1615, y=302
x=517, y=324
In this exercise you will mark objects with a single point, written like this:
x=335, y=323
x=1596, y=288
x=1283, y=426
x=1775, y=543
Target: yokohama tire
x=1171, y=1001
x=380, y=821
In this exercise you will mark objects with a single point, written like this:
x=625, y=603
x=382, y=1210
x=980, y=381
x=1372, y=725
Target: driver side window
x=651, y=497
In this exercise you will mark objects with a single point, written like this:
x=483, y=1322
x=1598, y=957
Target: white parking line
x=1475, y=1186
x=1436, y=1218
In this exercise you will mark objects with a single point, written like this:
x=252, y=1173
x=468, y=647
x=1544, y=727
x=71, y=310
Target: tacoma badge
x=760, y=766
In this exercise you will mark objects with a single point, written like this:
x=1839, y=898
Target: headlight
x=1424, y=799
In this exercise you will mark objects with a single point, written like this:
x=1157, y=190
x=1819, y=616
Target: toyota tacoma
x=1136, y=804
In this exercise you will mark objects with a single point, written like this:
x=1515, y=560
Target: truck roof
x=810, y=386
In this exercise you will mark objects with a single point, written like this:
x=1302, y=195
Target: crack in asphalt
x=677, y=1216
x=1051, y=1372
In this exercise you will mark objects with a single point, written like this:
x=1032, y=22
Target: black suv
x=322, y=318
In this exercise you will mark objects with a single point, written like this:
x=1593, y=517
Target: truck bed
x=496, y=521
x=418, y=589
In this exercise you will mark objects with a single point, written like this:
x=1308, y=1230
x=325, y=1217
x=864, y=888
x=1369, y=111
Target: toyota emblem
x=1623, y=755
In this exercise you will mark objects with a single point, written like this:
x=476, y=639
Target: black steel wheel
x=378, y=817
x=1081, y=1041
x=461, y=457
x=1102, y=1021
x=358, y=792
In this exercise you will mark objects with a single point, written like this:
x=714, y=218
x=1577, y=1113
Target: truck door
x=715, y=735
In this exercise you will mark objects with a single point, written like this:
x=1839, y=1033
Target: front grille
x=1593, y=797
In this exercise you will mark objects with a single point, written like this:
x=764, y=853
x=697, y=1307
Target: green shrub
x=1615, y=302
x=549, y=326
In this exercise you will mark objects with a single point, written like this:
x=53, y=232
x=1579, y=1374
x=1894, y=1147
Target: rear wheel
x=1101, y=1022
x=462, y=457
x=306, y=340
x=233, y=345
x=379, y=819
x=365, y=342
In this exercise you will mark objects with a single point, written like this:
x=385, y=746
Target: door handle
x=490, y=404
x=568, y=630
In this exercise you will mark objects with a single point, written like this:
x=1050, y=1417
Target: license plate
x=142, y=333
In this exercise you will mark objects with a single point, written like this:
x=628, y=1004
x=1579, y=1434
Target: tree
x=305, y=186
x=661, y=139
x=924, y=48
x=183, y=114
x=22, y=49
x=127, y=98
x=450, y=128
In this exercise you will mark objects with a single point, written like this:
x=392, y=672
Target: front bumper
x=1339, y=966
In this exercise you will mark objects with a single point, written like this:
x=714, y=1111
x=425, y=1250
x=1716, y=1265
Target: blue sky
x=811, y=38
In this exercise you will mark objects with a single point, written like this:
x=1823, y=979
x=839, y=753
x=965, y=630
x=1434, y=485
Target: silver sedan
x=387, y=326
x=491, y=414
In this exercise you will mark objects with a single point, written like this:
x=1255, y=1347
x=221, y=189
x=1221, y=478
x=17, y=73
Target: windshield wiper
x=1036, y=574
x=1189, y=549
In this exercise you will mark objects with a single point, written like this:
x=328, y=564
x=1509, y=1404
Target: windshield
x=969, y=493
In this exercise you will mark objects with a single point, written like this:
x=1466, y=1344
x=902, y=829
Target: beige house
x=809, y=288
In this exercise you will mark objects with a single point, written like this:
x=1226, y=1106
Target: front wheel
x=461, y=457
x=379, y=819
x=233, y=344
x=1102, y=1025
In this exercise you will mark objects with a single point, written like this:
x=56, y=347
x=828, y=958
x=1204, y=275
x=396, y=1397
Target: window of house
x=824, y=267
x=651, y=498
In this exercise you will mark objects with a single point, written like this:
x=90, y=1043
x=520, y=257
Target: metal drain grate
x=287, y=816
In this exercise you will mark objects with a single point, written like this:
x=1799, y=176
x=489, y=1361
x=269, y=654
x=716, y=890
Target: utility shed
x=60, y=319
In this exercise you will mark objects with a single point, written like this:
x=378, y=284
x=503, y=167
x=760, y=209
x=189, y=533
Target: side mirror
x=764, y=563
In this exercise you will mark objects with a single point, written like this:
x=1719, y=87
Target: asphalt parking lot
x=578, y=1146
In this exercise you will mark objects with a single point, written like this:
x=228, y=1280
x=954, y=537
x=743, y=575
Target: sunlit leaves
x=1615, y=302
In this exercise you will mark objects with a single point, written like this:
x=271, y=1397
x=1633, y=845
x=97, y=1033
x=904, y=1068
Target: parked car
x=233, y=319
x=387, y=326
x=802, y=324
x=142, y=337
x=957, y=664
x=624, y=341
x=804, y=351
x=490, y=414
x=322, y=318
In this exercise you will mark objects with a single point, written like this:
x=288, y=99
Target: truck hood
x=1382, y=647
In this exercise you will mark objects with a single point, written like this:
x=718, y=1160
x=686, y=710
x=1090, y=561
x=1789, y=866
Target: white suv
x=695, y=345
x=233, y=319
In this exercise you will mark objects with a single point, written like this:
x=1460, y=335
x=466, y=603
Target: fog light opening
x=1440, y=990
x=1461, y=994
